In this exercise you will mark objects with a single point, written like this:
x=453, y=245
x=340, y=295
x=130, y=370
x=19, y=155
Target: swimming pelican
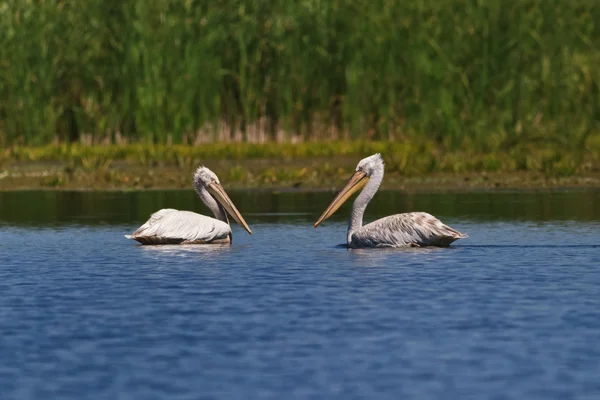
x=413, y=229
x=169, y=226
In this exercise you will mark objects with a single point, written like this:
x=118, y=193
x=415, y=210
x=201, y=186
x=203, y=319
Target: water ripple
x=512, y=311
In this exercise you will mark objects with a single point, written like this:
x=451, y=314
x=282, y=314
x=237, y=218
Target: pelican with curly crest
x=414, y=229
x=169, y=226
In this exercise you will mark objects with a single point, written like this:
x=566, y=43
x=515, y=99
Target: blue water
x=512, y=312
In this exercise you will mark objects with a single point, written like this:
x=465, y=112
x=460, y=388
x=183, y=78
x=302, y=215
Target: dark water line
x=113, y=208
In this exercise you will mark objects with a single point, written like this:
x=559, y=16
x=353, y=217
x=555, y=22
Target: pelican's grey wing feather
x=408, y=229
x=174, y=226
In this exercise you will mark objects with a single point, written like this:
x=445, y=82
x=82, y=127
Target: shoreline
x=270, y=175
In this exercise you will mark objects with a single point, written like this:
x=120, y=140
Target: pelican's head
x=205, y=178
x=364, y=170
x=370, y=164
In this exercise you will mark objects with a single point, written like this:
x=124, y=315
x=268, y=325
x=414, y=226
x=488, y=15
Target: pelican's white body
x=169, y=226
x=400, y=230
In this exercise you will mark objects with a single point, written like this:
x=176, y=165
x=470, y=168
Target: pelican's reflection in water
x=203, y=251
x=403, y=255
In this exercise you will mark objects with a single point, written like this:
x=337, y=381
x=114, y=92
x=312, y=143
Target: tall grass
x=486, y=74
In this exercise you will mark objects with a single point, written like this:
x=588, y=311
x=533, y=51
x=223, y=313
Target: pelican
x=414, y=229
x=169, y=226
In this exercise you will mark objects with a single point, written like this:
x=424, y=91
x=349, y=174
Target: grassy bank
x=485, y=75
x=307, y=165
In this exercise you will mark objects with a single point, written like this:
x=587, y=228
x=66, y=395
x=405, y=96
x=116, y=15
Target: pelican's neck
x=360, y=204
x=210, y=202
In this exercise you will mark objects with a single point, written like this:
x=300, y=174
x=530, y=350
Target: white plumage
x=408, y=229
x=399, y=230
x=170, y=226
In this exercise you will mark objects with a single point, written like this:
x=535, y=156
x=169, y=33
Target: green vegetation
x=487, y=80
x=309, y=165
x=408, y=158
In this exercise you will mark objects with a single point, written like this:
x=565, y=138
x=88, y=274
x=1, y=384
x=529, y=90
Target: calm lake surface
x=512, y=312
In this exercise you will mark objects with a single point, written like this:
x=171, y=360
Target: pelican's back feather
x=408, y=229
x=174, y=226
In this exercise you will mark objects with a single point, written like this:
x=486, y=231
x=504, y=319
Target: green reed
x=481, y=74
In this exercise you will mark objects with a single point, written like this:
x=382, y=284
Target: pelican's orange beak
x=357, y=181
x=217, y=191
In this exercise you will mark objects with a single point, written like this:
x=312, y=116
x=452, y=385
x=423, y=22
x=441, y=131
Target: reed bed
x=486, y=75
